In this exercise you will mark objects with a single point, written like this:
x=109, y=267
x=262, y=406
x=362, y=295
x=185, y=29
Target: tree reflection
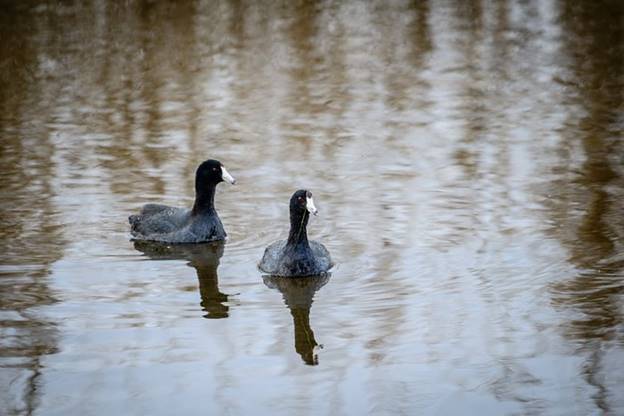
x=31, y=237
x=596, y=51
x=597, y=242
x=204, y=258
x=298, y=294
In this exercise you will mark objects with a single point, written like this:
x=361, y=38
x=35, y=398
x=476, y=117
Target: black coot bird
x=179, y=225
x=297, y=256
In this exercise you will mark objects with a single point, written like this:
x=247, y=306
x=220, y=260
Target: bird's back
x=156, y=219
x=175, y=225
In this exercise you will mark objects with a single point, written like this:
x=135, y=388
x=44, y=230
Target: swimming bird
x=297, y=256
x=200, y=224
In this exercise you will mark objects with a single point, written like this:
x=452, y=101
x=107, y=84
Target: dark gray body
x=297, y=256
x=176, y=225
x=308, y=259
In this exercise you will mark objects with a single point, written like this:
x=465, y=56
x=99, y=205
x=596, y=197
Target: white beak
x=226, y=176
x=310, y=206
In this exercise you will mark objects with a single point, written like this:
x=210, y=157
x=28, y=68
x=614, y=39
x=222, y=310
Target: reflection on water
x=31, y=237
x=202, y=257
x=597, y=242
x=596, y=245
x=298, y=294
x=468, y=157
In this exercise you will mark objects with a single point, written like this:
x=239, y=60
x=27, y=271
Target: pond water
x=467, y=161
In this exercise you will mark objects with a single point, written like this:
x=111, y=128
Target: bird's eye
x=214, y=169
x=300, y=198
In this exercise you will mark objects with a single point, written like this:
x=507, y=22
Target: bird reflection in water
x=298, y=293
x=205, y=259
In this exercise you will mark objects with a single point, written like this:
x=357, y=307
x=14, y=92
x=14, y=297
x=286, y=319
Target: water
x=467, y=160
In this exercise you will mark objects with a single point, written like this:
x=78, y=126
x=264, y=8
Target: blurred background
x=466, y=157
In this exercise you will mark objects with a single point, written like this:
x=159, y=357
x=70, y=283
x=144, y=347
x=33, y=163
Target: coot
x=297, y=256
x=200, y=224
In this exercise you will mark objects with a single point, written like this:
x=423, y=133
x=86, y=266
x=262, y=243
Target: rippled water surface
x=466, y=157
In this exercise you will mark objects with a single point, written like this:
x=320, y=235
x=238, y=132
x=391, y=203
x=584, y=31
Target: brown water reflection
x=467, y=159
x=28, y=215
x=298, y=295
x=597, y=245
x=204, y=258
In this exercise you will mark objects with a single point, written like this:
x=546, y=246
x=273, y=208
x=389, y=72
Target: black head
x=301, y=201
x=212, y=172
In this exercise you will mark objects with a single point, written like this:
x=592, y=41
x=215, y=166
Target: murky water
x=467, y=160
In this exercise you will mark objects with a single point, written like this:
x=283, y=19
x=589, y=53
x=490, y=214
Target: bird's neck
x=298, y=235
x=204, y=200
